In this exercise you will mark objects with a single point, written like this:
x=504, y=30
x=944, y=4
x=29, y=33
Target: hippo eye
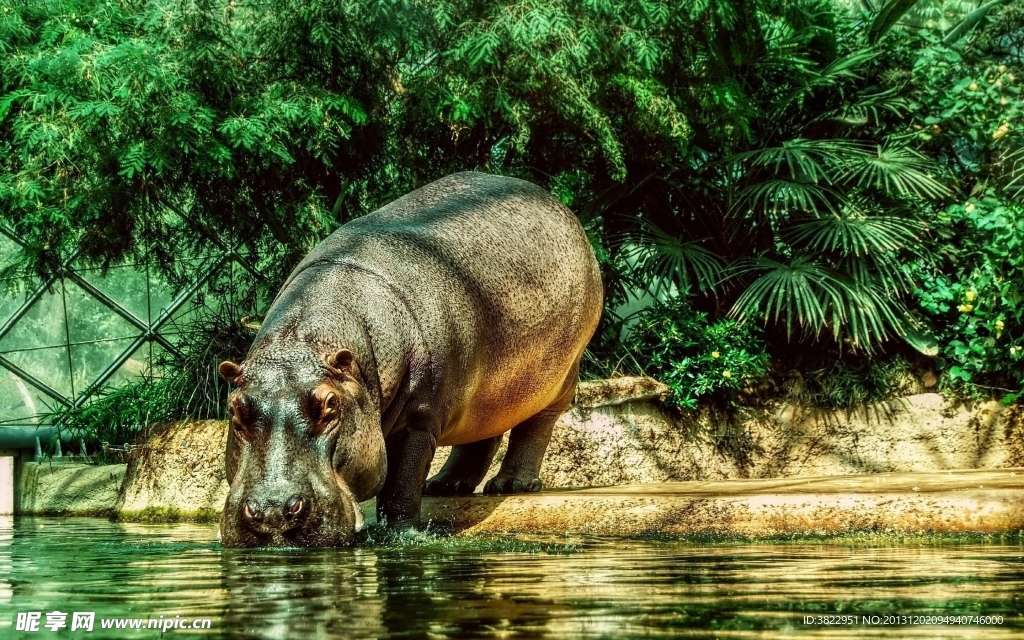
x=240, y=414
x=329, y=410
x=330, y=404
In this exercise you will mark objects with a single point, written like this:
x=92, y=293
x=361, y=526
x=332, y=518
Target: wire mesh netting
x=71, y=337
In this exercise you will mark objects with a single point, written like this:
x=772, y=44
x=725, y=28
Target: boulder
x=176, y=474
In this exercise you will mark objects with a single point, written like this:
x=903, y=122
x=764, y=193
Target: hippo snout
x=274, y=514
x=288, y=515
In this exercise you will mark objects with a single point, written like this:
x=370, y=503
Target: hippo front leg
x=409, y=452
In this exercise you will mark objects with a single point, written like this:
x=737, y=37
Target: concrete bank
x=620, y=464
x=952, y=502
x=617, y=433
x=67, y=488
x=949, y=502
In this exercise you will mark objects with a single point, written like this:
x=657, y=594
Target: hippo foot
x=449, y=487
x=499, y=485
x=395, y=535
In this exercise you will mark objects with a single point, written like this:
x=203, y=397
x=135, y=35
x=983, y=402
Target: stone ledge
x=955, y=502
x=615, y=391
x=951, y=502
x=67, y=489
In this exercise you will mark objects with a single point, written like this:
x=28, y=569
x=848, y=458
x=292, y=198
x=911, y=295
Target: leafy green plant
x=784, y=161
x=696, y=358
x=818, y=228
x=853, y=382
x=977, y=296
x=967, y=108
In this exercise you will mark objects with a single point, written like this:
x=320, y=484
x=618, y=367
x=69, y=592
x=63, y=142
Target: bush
x=974, y=296
x=697, y=359
x=853, y=382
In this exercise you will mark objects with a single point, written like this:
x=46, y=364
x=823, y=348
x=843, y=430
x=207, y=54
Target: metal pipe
x=25, y=436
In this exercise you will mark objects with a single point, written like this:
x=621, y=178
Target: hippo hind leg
x=527, y=442
x=465, y=467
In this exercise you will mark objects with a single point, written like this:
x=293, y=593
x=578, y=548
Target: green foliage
x=698, y=359
x=976, y=296
x=853, y=382
x=783, y=160
x=816, y=206
x=967, y=107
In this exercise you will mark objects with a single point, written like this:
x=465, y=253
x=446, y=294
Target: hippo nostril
x=293, y=507
x=253, y=513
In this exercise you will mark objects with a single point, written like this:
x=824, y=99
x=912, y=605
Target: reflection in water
x=449, y=588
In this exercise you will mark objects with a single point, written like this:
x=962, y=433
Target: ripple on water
x=553, y=587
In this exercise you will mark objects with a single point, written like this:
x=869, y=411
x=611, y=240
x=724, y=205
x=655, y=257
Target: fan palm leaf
x=857, y=235
x=842, y=68
x=778, y=195
x=868, y=108
x=893, y=169
x=665, y=260
x=802, y=293
x=870, y=315
x=808, y=295
x=803, y=159
x=884, y=271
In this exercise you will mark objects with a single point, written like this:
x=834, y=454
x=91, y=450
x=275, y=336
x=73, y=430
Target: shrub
x=698, y=359
x=974, y=296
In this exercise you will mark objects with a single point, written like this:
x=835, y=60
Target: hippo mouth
x=330, y=522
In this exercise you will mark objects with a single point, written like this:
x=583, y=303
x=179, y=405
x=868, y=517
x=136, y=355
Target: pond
x=496, y=587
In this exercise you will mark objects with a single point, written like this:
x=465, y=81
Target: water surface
x=496, y=587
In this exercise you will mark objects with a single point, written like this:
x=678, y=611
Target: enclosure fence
x=65, y=339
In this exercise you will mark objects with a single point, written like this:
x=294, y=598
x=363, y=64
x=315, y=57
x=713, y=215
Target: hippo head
x=304, y=447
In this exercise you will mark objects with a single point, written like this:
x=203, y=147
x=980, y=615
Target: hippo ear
x=230, y=371
x=343, y=362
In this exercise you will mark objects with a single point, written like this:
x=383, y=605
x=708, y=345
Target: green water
x=496, y=588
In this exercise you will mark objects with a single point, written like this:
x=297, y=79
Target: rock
x=67, y=489
x=985, y=502
x=929, y=380
x=176, y=474
x=614, y=391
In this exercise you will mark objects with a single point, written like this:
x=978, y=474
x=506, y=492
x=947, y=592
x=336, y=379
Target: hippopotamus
x=452, y=315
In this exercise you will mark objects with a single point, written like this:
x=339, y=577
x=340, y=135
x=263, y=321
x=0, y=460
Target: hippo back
x=502, y=284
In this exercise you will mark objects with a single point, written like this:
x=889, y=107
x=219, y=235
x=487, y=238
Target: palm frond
x=665, y=260
x=816, y=298
x=775, y=196
x=804, y=159
x=856, y=235
x=884, y=271
x=868, y=108
x=894, y=170
x=871, y=315
x=839, y=69
x=803, y=293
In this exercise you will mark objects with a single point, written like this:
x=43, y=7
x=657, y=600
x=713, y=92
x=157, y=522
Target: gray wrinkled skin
x=450, y=316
